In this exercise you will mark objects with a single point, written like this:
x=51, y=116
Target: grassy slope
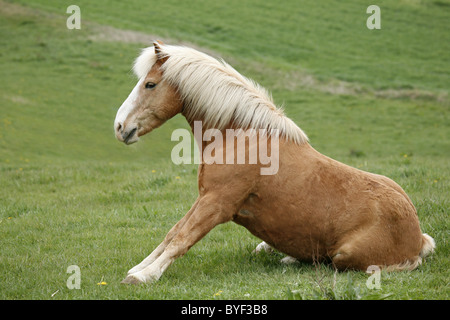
x=70, y=194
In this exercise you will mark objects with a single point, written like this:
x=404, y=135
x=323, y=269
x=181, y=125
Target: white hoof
x=288, y=260
x=263, y=246
x=144, y=276
x=132, y=279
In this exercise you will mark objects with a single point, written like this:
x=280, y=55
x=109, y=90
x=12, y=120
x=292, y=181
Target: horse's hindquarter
x=315, y=205
x=291, y=210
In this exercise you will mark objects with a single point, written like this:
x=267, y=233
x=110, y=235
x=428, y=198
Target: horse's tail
x=428, y=246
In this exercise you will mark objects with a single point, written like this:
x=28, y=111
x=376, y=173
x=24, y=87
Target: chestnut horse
x=312, y=208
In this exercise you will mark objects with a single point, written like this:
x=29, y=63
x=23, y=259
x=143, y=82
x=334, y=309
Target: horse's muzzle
x=126, y=135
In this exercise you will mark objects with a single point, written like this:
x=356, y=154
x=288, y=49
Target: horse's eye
x=150, y=85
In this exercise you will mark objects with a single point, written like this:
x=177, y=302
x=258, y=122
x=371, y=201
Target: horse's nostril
x=119, y=126
x=128, y=135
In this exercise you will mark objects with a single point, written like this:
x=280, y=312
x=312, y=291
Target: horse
x=312, y=209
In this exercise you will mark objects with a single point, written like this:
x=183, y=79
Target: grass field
x=70, y=194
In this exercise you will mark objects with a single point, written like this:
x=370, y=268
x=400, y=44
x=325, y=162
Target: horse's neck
x=198, y=128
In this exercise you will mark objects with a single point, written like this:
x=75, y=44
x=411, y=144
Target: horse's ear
x=157, y=44
x=159, y=55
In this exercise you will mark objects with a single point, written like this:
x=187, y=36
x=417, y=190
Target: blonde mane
x=215, y=92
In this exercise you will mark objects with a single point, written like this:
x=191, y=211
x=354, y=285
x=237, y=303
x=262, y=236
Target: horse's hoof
x=289, y=260
x=131, y=279
x=262, y=246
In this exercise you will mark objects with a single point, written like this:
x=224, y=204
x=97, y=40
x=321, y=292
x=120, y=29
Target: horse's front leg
x=208, y=213
x=160, y=249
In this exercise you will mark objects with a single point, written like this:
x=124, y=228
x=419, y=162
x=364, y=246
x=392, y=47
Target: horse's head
x=152, y=101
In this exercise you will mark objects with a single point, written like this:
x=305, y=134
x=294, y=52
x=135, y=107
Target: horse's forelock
x=144, y=62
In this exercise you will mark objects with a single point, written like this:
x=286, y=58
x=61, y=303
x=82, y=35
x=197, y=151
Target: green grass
x=70, y=194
